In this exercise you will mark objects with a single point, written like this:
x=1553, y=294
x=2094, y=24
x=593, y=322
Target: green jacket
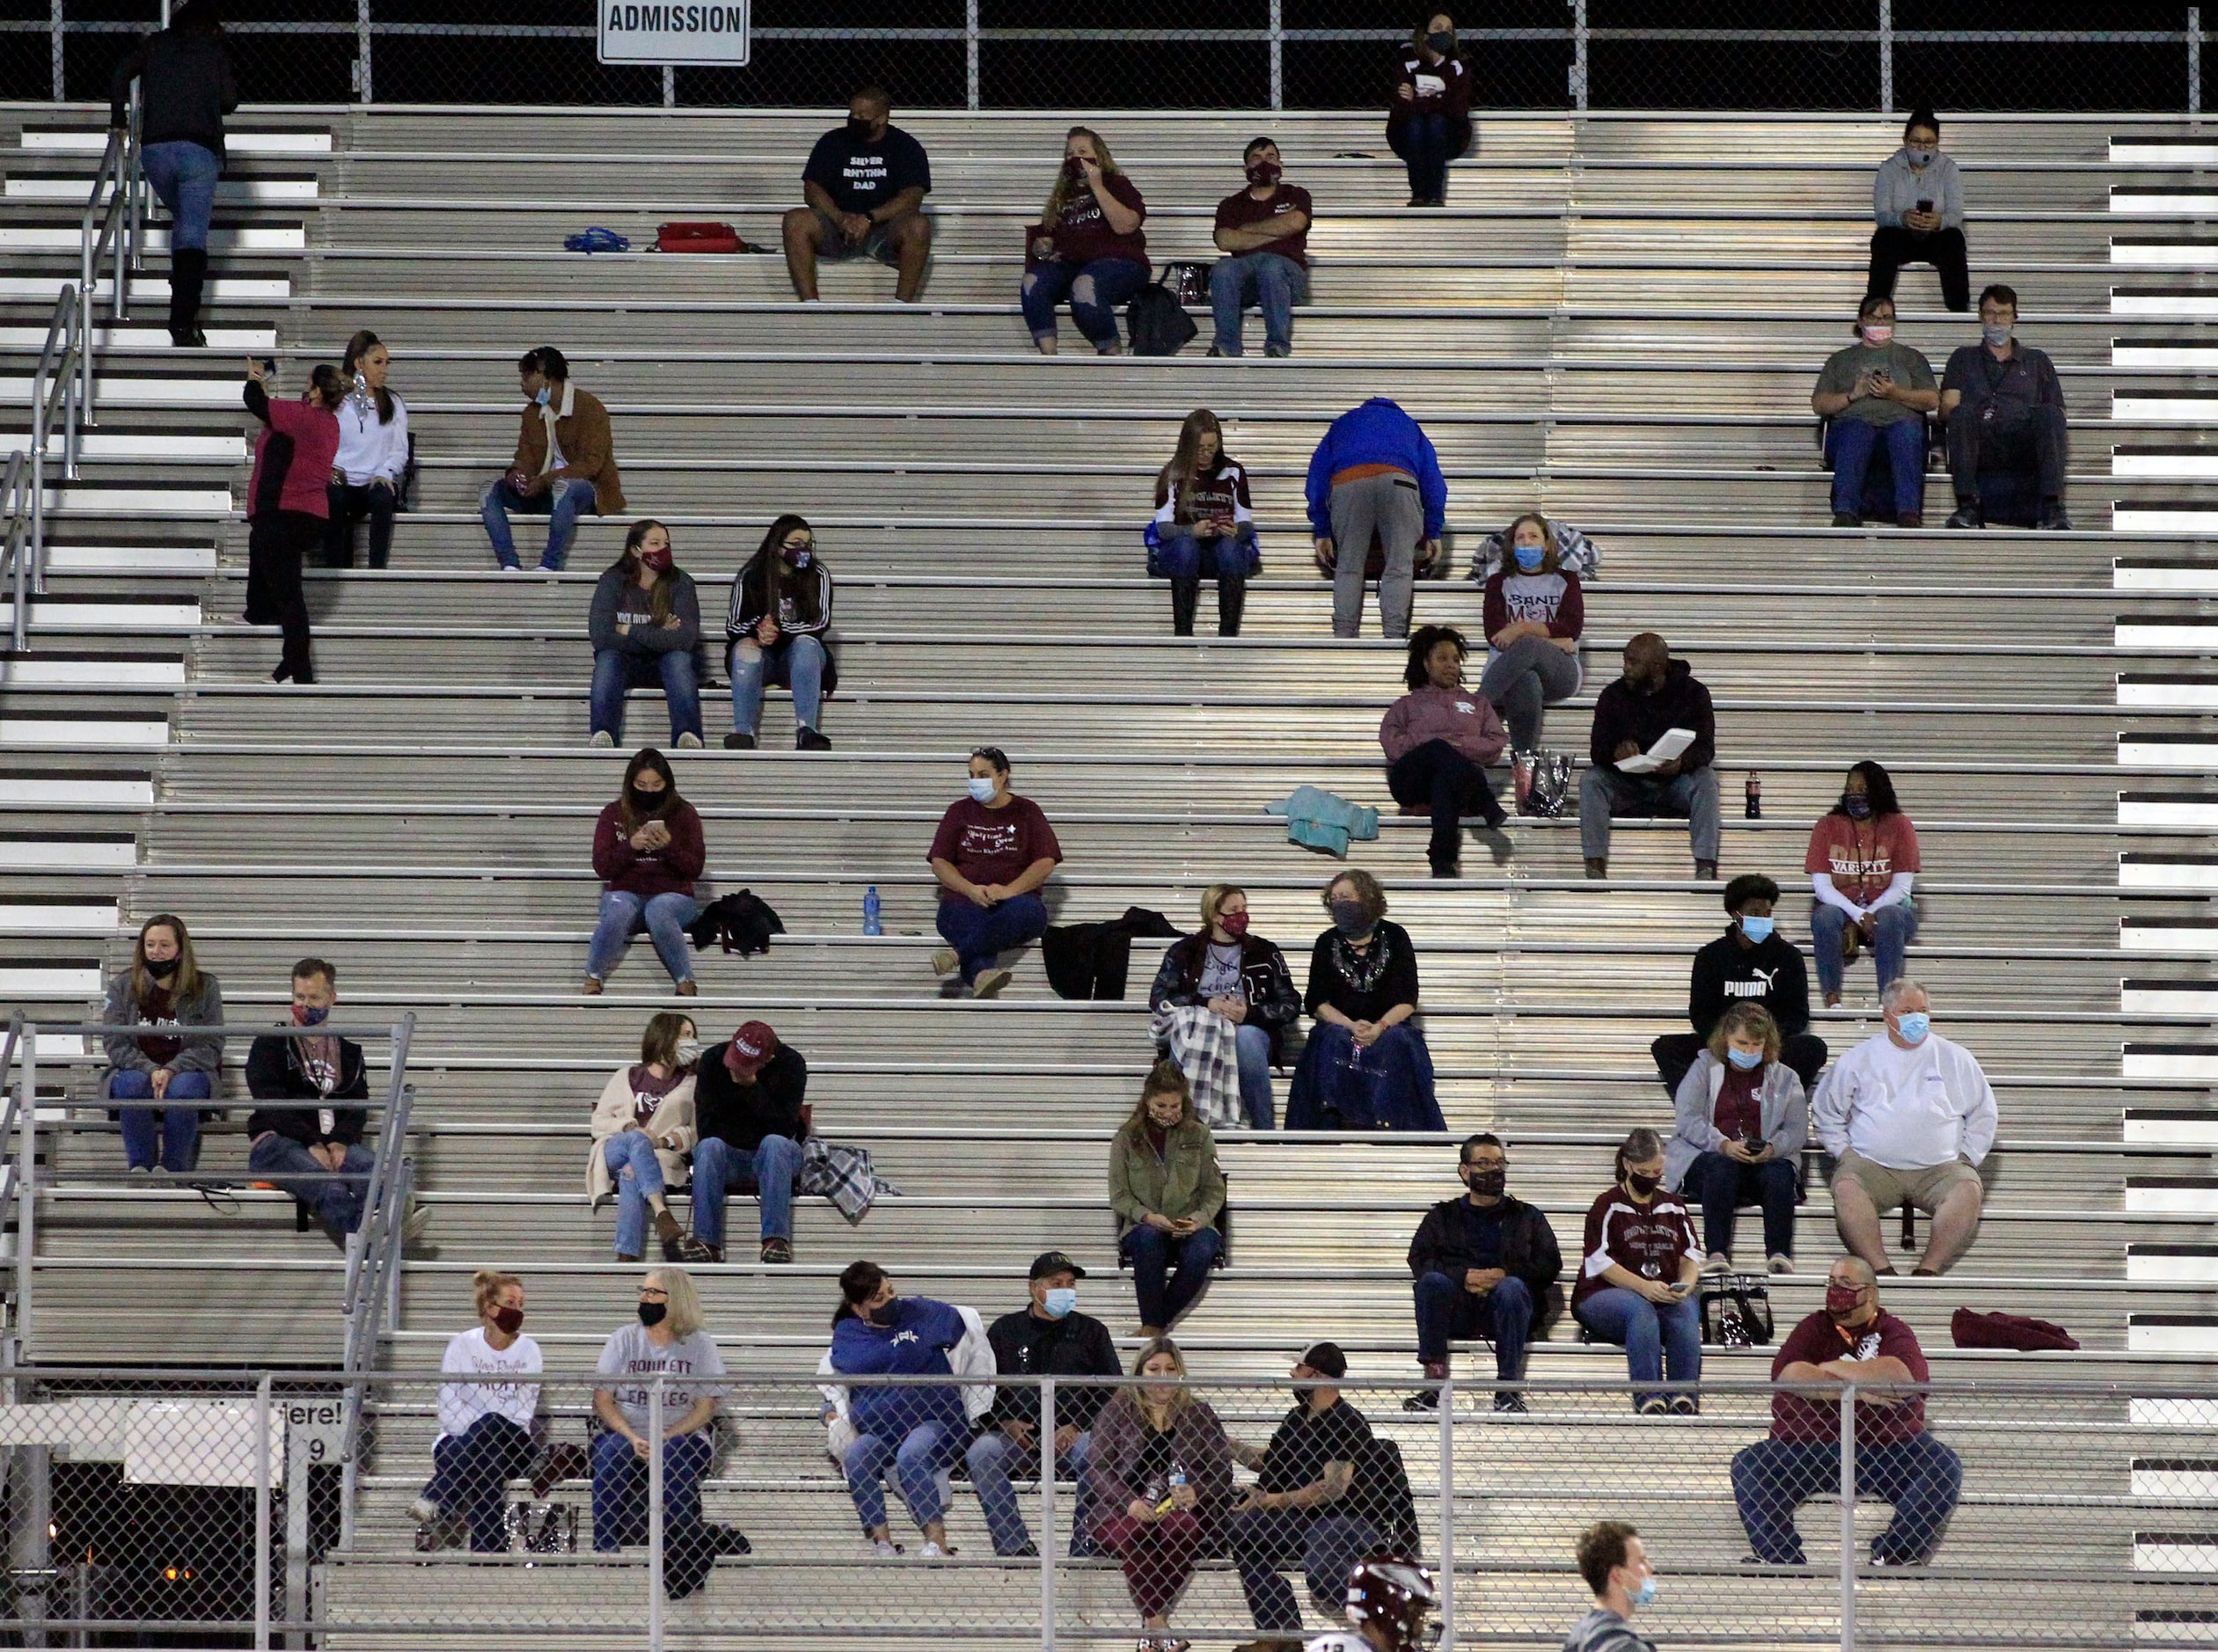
x=1184, y=1182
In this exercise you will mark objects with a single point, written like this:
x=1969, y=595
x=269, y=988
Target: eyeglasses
x=653, y=1290
x=798, y=544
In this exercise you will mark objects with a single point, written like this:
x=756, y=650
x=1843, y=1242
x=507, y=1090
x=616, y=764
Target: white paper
x=1430, y=85
x=1668, y=745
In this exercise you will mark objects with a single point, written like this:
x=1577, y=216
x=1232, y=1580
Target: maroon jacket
x=1465, y=719
x=647, y=873
x=292, y=456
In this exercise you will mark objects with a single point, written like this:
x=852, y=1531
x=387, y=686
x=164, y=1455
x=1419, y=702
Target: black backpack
x=1383, y=1497
x=1158, y=324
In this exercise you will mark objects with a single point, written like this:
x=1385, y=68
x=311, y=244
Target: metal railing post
x=1277, y=54
x=1579, y=54
x=362, y=50
x=2194, y=62
x=53, y=26
x=26, y=1183
x=1445, y=1581
x=261, y=1515
x=1848, y=1518
x=1045, y=1435
x=969, y=49
x=654, y=1446
x=1886, y=57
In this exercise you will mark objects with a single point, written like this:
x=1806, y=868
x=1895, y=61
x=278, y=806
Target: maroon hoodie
x=1464, y=718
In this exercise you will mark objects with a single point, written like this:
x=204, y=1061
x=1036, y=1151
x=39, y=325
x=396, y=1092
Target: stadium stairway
x=1609, y=322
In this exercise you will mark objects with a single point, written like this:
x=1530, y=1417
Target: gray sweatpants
x=1388, y=505
x=1526, y=676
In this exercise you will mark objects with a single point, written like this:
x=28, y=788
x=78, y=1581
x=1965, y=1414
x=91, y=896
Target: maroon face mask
x=659, y=559
x=1233, y=924
x=507, y=1321
x=1841, y=1300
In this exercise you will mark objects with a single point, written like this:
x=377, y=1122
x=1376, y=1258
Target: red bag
x=2008, y=1330
x=697, y=237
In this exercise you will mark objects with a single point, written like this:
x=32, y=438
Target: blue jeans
x=1853, y=441
x=1273, y=283
x=616, y=670
x=1181, y=554
x=562, y=504
x=338, y=1205
x=470, y=1472
x=980, y=934
x=630, y=1157
x=1097, y=291
x=665, y=918
x=1721, y=1186
x=180, y=1126
x=1895, y=925
x=1658, y=1340
x=1426, y=144
x=619, y=1486
x=1920, y=1476
x=1150, y=1253
x=1253, y=1046
x=793, y=663
x=183, y=176
x=991, y=1455
x=1447, y=1310
x=1328, y=1546
x=719, y=1167
x=916, y=1458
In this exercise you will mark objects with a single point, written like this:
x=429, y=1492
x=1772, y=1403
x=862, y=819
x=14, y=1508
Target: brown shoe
x=688, y=989
x=694, y=1251
x=591, y=989
x=1597, y=868
x=778, y=1250
x=667, y=1229
x=1910, y=519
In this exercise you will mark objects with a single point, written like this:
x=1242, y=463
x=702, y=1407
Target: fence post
x=261, y=1515
x=1045, y=1435
x=1848, y=1518
x=31, y=1506
x=2194, y=62
x=654, y=1443
x=361, y=51
x=28, y=1118
x=1578, y=55
x=1446, y=1580
x=54, y=15
x=1277, y=54
x=970, y=48
x=1886, y=57
x=670, y=87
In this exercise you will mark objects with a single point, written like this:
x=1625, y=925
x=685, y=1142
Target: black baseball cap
x=1327, y=1360
x=1055, y=1262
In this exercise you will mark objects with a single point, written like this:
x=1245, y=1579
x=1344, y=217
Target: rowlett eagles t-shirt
x=993, y=846
x=631, y=1360
x=861, y=175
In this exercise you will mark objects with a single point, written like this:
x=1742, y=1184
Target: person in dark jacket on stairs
x=1751, y=959
x=747, y=1109
x=300, y=1148
x=1485, y=1264
x=186, y=89
x=1656, y=695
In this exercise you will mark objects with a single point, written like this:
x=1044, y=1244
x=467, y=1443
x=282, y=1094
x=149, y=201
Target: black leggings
x=349, y=504
x=276, y=541
x=1438, y=775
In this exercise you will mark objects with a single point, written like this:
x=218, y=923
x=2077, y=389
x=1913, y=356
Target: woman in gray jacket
x=163, y=988
x=646, y=628
x=1742, y=1119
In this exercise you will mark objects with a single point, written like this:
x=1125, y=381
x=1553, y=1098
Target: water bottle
x=870, y=925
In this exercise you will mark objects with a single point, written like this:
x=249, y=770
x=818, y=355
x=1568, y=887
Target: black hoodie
x=186, y=89
x=1621, y=715
x=1771, y=972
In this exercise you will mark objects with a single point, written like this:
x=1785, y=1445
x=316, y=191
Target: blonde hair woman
x=485, y=1426
x=1204, y=526
x=1088, y=245
x=165, y=987
x=668, y=1341
x=1219, y=982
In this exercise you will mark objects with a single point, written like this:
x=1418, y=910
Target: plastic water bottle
x=870, y=925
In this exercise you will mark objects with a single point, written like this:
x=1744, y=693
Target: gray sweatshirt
x=1602, y=1630
x=1899, y=187
x=615, y=598
x=204, y=1008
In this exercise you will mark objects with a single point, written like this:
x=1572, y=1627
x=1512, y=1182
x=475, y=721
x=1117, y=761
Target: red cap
x=752, y=1046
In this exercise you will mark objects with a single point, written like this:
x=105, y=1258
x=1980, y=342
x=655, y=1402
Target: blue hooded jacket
x=916, y=1344
x=1376, y=433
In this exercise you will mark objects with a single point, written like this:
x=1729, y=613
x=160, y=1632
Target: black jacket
x=1726, y=972
x=1620, y=715
x=186, y=89
x=1077, y=1345
x=743, y=1114
x=274, y=1072
x=1528, y=1251
x=1092, y=961
x=1272, y=1002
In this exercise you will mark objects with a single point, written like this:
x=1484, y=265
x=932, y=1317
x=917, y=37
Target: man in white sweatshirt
x=1907, y=1116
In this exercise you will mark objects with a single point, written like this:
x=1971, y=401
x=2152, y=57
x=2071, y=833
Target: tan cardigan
x=589, y=449
x=613, y=1111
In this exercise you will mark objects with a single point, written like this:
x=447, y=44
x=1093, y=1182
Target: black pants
x=349, y=504
x=276, y=542
x=1438, y=775
x=1893, y=246
x=2026, y=440
x=1675, y=1053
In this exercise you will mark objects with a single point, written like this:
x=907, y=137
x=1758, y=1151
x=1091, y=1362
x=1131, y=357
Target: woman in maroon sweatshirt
x=648, y=850
x=1088, y=245
x=286, y=504
x=1439, y=737
x=1428, y=122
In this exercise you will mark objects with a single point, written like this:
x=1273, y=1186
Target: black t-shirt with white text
x=861, y=175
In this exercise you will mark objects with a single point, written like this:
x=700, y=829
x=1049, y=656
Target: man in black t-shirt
x=1305, y=1503
x=865, y=184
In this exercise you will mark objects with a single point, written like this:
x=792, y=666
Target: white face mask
x=689, y=1051
x=1878, y=331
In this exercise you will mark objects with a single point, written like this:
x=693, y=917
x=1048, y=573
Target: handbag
x=596, y=240
x=542, y=1528
x=696, y=238
x=1551, y=787
x=1736, y=1310
x=1189, y=283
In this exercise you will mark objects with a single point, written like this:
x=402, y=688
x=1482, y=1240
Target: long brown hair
x=1179, y=474
x=1061, y=193
x=1550, y=562
x=662, y=597
x=356, y=346
x=188, y=971
x=647, y=757
x=1165, y=1077
x=770, y=563
x=659, y=1043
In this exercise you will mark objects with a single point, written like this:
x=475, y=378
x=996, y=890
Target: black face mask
x=162, y=969
x=1442, y=41
x=861, y=131
x=647, y=803
x=1487, y=1184
x=652, y=1313
x=883, y=1314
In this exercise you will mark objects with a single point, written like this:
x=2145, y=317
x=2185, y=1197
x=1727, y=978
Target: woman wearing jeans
x=1167, y=1190
x=486, y=1428
x=647, y=849
x=166, y=988
x=915, y=1430
x=642, y=1130
x=646, y=628
x=780, y=629
x=1204, y=526
x=1862, y=863
x=1088, y=245
x=1741, y=1119
x=1637, y=1276
x=186, y=89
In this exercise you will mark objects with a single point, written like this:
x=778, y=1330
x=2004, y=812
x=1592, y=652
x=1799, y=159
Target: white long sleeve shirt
x=470, y=1355
x=1907, y=1109
x=367, y=449
x=1898, y=890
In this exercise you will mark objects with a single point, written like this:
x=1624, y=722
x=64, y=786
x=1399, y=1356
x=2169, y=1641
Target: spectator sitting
x=485, y=1428
x=1204, y=526
x=1366, y=1065
x=992, y=853
x=163, y=986
x=749, y=1125
x=1534, y=614
x=288, y=502
x=642, y=1130
x=1167, y=1190
x=916, y=1431
x=1742, y=1117
x=667, y=1342
x=1375, y=474
x=647, y=849
x=1636, y=1284
x=1656, y=694
x=372, y=462
x=1307, y=1503
x=1862, y=864
x=1263, y=231
x=1616, y=1569
x=1852, y=1339
x=2004, y=407
x=313, y=1152
x=1917, y=200
x=646, y=628
x=564, y=464
x=1429, y=123
x=780, y=629
x=186, y=89
x=1161, y=1473
x=1907, y=1116
x=865, y=184
x=1486, y=1265
x=1439, y=739
x=1221, y=976
x=1750, y=963
x=1088, y=245
x=1049, y=1337
x=1876, y=391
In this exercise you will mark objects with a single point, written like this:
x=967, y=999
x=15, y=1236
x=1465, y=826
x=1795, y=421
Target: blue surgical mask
x=1757, y=929
x=1746, y=1060
x=1645, y=1595
x=543, y=398
x=981, y=790
x=1060, y=1301
x=1997, y=334
x=1913, y=1025
x=1529, y=556
x=1350, y=917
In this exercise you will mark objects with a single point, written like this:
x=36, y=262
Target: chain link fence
x=1818, y=54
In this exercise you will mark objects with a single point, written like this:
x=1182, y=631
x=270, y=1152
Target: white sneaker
x=887, y=1550
x=510, y=567
x=689, y=741
x=601, y=737
x=1783, y=1264
x=932, y=1552
x=1718, y=1263
x=425, y=1510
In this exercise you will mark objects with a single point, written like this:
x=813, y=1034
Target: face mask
x=1350, y=917
x=1642, y=1185
x=1074, y=169
x=647, y=803
x=981, y=790
x=1442, y=41
x=1757, y=929
x=1998, y=335
x=883, y=1314
x=1645, y=1595
x=1529, y=556
x=1233, y=924
x=1914, y=1025
x=1857, y=805
x=1061, y=1302
x=1746, y=1060
x=659, y=559
x=1878, y=331
x=794, y=556
x=688, y=1051
x=542, y=398
x=163, y=968
x=507, y=1321
x=651, y=1313
x=1487, y=1184
x=1263, y=173
x=307, y=1015
x=1841, y=1300
x=860, y=130
x=1921, y=158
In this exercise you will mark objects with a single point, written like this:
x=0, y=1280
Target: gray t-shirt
x=1844, y=368
x=631, y=1358
x=1220, y=972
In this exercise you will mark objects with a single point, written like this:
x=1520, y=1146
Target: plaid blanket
x=844, y=1175
x=1202, y=1042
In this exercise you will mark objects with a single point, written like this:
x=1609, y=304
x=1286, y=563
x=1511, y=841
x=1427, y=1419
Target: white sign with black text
x=673, y=32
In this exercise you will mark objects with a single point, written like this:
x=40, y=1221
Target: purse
x=1736, y=1310
x=1189, y=283
x=696, y=238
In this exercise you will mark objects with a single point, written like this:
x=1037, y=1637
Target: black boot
x=188, y=270
x=1184, y=595
x=1232, y=603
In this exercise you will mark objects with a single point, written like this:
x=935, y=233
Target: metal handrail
x=373, y=1260
x=17, y=511
x=117, y=202
x=61, y=404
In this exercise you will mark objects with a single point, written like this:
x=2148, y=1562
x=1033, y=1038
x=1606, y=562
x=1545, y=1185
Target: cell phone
x=270, y=366
x=1925, y=206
